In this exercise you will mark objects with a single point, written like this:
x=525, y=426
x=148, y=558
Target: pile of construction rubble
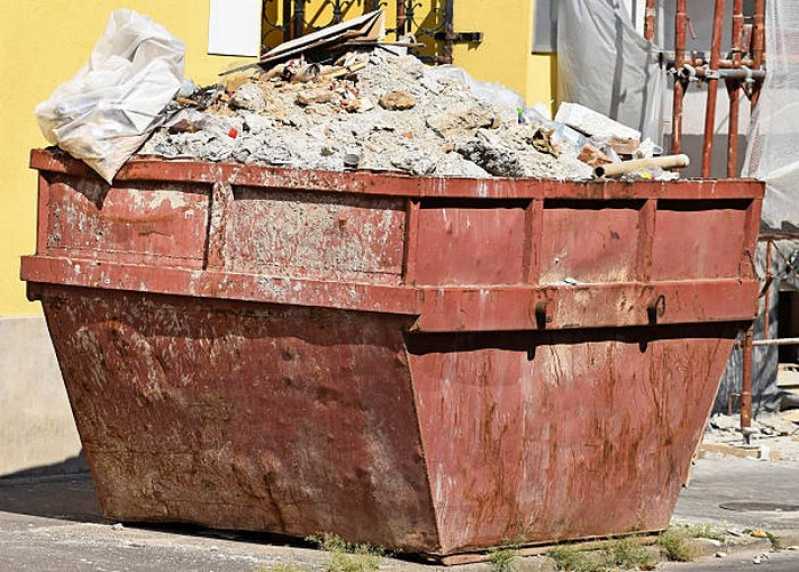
x=771, y=436
x=376, y=110
x=339, y=98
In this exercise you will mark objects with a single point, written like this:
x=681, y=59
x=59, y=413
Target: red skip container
x=429, y=365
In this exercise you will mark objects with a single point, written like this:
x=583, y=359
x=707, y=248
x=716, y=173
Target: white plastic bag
x=107, y=111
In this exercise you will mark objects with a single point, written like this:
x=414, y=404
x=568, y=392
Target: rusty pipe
x=758, y=45
x=696, y=61
x=734, y=88
x=680, y=85
x=649, y=20
x=746, y=382
x=739, y=74
x=712, y=89
x=400, y=19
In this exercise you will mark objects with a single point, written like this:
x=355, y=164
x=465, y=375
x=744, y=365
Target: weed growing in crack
x=346, y=557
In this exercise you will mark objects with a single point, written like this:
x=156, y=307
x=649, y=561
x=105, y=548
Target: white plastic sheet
x=107, y=111
x=773, y=151
x=606, y=65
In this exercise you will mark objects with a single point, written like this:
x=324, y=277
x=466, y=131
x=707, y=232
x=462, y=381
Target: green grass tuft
x=346, y=557
x=675, y=546
x=704, y=531
x=776, y=543
x=627, y=554
x=570, y=559
x=622, y=554
x=503, y=559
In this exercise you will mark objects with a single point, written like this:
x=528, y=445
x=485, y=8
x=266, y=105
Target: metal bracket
x=656, y=309
x=459, y=37
x=542, y=317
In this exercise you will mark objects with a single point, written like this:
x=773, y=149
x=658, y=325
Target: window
x=234, y=27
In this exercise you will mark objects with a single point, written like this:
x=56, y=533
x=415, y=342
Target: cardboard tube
x=665, y=162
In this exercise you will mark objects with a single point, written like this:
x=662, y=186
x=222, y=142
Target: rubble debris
x=309, y=97
x=231, y=83
x=249, y=97
x=542, y=140
x=352, y=160
x=374, y=109
x=488, y=153
x=509, y=153
x=590, y=155
x=462, y=119
x=397, y=100
x=774, y=437
x=337, y=100
x=624, y=140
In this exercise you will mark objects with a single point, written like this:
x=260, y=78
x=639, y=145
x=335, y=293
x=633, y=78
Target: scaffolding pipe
x=746, y=383
x=734, y=88
x=712, y=89
x=740, y=74
x=649, y=20
x=680, y=24
x=697, y=61
x=777, y=342
x=758, y=46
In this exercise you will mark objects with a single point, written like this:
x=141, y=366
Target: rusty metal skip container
x=429, y=365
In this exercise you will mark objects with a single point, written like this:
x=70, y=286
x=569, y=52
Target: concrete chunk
x=595, y=124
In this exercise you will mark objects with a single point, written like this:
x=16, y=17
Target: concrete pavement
x=720, y=481
x=776, y=562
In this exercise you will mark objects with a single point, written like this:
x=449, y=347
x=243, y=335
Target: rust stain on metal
x=424, y=364
x=334, y=237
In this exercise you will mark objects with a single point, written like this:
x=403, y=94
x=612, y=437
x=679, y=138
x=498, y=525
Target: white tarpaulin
x=606, y=65
x=773, y=152
x=107, y=111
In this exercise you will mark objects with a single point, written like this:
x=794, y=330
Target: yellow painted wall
x=44, y=42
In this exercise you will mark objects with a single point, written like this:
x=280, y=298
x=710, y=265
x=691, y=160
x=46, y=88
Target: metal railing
x=288, y=19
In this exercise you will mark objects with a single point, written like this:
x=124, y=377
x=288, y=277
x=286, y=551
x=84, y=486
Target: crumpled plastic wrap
x=111, y=106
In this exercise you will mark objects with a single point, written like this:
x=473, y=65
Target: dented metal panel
x=134, y=223
x=433, y=365
x=566, y=435
x=335, y=237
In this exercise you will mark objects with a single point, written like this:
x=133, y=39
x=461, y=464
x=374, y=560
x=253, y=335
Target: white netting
x=773, y=151
x=606, y=65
